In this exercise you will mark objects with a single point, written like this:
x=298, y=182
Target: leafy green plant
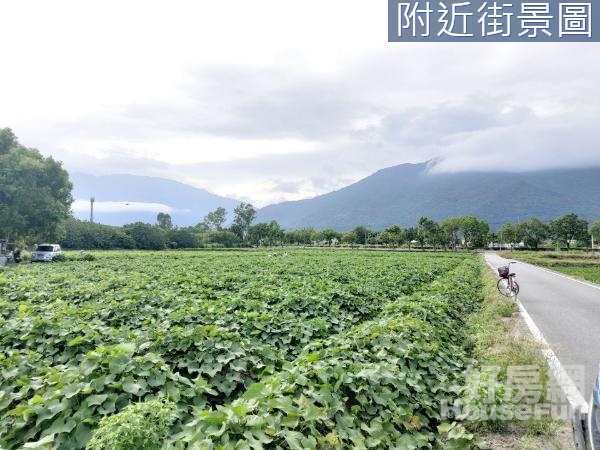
x=139, y=426
x=377, y=385
x=319, y=348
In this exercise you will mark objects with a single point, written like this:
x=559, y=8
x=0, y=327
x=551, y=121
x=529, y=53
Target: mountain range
x=395, y=195
x=401, y=194
x=122, y=199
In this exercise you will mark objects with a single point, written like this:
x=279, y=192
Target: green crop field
x=318, y=349
x=579, y=264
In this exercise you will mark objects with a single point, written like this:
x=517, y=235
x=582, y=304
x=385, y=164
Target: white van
x=45, y=252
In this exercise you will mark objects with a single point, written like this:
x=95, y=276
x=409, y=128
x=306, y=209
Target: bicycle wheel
x=504, y=288
x=515, y=288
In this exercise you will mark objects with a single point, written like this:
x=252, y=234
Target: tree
x=451, y=229
x=259, y=234
x=215, y=219
x=595, y=232
x=8, y=140
x=475, y=232
x=507, y=234
x=362, y=234
x=81, y=234
x=291, y=237
x=163, y=220
x=392, y=236
x=359, y=235
x=183, y=238
x=202, y=228
x=410, y=235
x=350, y=237
x=569, y=228
x=329, y=235
x=146, y=236
x=397, y=234
x=265, y=234
x=532, y=232
x=427, y=231
x=316, y=236
x=439, y=238
x=224, y=238
x=245, y=214
x=35, y=192
x=276, y=233
x=303, y=236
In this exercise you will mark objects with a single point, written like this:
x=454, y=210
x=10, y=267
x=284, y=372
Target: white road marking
x=575, y=398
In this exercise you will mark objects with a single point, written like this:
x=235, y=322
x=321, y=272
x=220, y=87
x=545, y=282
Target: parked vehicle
x=45, y=253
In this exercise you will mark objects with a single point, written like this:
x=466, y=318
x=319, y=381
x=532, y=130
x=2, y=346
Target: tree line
x=450, y=234
x=163, y=234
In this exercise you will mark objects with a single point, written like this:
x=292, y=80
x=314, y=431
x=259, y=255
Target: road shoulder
x=502, y=339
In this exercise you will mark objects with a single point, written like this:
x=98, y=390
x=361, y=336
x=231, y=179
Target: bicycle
x=507, y=285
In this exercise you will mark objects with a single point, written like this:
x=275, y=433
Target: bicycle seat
x=512, y=274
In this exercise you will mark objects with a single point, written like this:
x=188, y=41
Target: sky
x=266, y=101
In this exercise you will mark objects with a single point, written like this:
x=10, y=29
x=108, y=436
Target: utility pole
x=92, y=200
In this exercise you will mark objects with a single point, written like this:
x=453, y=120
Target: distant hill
x=122, y=199
x=401, y=194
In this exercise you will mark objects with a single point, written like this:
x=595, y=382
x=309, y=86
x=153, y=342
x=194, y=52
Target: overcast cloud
x=273, y=100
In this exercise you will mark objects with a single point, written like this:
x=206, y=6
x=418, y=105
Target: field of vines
x=311, y=350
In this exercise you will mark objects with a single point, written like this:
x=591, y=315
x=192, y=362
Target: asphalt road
x=566, y=311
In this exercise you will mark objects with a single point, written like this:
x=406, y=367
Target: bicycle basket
x=503, y=272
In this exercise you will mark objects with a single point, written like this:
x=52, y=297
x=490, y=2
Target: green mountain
x=401, y=194
x=122, y=199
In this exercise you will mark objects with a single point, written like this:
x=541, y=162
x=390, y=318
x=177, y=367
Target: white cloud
x=272, y=100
